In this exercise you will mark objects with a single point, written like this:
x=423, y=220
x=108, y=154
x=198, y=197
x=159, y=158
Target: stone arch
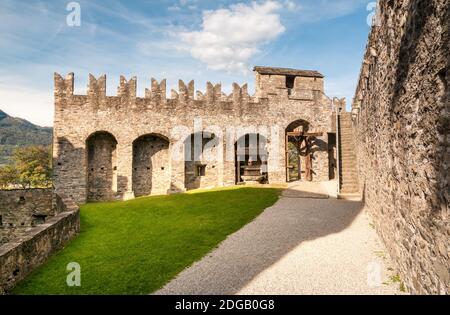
x=101, y=147
x=201, y=171
x=296, y=152
x=298, y=125
x=251, y=158
x=151, y=165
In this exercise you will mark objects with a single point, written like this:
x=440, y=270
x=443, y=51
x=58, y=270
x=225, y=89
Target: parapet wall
x=186, y=98
x=211, y=102
x=25, y=253
x=23, y=209
x=402, y=125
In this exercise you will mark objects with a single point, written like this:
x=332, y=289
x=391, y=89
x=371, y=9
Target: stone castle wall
x=130, y=122
x=402, y=123
x=21, y=210
x=29, y=243
x=151, y=174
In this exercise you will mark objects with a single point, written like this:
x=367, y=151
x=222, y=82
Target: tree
x=8, y=176
x=33, y=166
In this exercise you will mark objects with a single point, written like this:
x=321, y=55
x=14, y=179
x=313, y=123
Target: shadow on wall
x=412, y=45
x=332, y=153
x=151, y=161
x=262, y=243
x=318, y=145
x=93, y=174
x=443, y=127
x=122, y=187
x=101, y=166
x=408, y=47
x=441, y=187
x=192, y=158
x=69, y=170
x=175, y=189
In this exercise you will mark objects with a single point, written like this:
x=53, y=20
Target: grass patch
x=137, y=246
x=395, y=279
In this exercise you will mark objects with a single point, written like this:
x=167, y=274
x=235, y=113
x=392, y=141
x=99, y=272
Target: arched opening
x=332, y=156
x=298, y=157
x=251, y=159
x=201, y=169
x=101, y=166
x=151, y=165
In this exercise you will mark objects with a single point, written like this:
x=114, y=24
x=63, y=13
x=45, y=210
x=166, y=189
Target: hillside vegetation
x=17, y=132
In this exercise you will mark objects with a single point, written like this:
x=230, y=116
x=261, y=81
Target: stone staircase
x=348, y=171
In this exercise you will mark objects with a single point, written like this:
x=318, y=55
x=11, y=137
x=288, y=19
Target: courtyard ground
x=307, y=243
x=135, y=247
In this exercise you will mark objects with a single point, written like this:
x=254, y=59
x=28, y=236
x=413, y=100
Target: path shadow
x=262, y=243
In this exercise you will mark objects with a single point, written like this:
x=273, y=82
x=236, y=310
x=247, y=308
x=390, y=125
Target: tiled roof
x=287, y=71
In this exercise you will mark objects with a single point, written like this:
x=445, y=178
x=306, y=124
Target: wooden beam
x=304, y=134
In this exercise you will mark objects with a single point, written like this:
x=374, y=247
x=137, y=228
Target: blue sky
x=217, y=41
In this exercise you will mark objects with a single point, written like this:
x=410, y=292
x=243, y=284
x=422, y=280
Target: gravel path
x=297, y=246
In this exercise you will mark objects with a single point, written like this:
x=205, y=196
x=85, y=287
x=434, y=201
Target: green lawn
x=137, y=246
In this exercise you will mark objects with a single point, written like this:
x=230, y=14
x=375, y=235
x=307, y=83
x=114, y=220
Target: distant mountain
x=17, y=132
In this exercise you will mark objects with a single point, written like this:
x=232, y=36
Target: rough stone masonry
x=23, y=209
x=34, y=224
x=402, y=123
x=120, y=147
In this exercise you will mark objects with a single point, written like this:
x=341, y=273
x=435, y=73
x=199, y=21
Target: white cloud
x=230, y=37
x=291, y=5
x=28, y=103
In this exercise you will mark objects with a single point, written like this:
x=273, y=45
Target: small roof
x=288, y=71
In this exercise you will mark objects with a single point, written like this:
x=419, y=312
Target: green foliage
x=33, y=165
x=137, y=246
x=30, y=168
x=6, y=151
x=293, y=160
x=16, y=132
x=396, y=279
x=8, y=176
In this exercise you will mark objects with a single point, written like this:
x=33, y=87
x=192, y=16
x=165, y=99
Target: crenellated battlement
x=64, y=86
x=155, y=97
x=273, y=86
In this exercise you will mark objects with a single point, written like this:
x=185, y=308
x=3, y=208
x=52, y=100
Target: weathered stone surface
x=27, y=251
x=22, y=209
x=280, y=99
x=151, y=166
x=102, y=166
x=402, y=124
